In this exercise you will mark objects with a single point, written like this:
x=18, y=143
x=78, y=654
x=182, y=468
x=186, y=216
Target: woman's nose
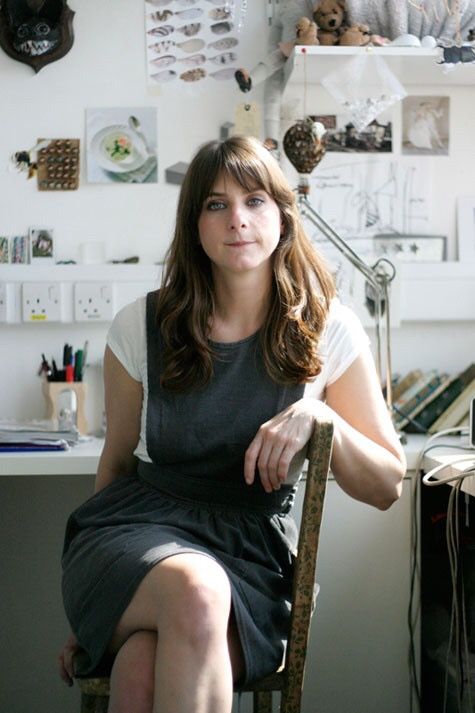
x=237, y=218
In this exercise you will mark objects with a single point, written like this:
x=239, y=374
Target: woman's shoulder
x=341, y=318
x=130, y=316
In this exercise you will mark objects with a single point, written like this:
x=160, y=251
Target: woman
x=180, y=566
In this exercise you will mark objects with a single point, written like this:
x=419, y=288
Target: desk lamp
x=304, y=147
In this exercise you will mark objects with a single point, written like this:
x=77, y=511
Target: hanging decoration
x=365, y=87
x=192, y=42
x=305, y=148
x=36, y=32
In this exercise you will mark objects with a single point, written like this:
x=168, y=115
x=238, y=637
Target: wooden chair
x=289, y=679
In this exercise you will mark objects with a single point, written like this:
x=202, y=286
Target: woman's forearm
x=364, y=469
x=112, y=467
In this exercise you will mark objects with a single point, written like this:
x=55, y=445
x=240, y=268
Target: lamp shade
x=303, y=145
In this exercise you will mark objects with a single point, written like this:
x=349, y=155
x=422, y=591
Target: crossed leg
x=177, y=647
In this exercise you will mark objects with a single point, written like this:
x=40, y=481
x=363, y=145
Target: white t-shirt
x=342, y=341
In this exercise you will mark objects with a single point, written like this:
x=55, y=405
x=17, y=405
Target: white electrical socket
x=5, y=302
x=42, y=302
x=93, y=301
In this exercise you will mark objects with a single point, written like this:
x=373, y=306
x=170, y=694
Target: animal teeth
x=34, y=47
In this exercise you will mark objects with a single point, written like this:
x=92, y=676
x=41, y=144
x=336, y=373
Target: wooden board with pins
x=58, y=165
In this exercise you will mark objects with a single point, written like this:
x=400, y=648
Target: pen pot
x=52, y=391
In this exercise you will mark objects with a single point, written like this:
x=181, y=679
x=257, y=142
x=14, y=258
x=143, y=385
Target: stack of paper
x=34, y=436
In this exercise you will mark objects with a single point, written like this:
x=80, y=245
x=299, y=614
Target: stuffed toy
x=306, y=32
x=355, y=36
x=330, y=16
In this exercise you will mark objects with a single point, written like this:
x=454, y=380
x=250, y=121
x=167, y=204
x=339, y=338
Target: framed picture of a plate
x=121, y=145
x=411, y=248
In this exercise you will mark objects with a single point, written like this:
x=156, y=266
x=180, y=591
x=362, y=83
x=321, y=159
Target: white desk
x=83, y=458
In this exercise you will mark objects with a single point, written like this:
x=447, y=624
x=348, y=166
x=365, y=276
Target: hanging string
x=304, y=52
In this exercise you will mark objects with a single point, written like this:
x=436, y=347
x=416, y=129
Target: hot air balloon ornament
x=304, y=146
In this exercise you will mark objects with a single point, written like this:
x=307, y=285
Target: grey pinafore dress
x=191, y=498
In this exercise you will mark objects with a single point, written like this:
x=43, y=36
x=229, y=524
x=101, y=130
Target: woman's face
x=239, y=230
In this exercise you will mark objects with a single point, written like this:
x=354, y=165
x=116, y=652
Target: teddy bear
x=330, y=16
x=355, y=36
x=306, y=32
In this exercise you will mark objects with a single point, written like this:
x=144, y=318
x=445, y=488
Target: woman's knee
x=194, y=599
x=132, y=677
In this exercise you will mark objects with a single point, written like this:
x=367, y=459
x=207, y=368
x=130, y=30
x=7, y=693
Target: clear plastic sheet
x=365, y=87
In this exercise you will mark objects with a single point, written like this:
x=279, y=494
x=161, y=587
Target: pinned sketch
x=351, y=285
x=361, y=197
x=189, y=41
x=425, y=126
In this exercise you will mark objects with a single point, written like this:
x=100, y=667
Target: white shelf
x=411, y=65
x=79, y=273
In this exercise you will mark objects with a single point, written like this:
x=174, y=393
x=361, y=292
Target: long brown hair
x=302, y=285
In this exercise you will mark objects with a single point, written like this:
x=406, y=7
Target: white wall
x=106, y=68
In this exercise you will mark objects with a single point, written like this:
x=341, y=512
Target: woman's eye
x=215, y=205
x=256, y=200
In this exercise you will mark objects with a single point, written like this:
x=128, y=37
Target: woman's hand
x=278, y=440
x=65, y=659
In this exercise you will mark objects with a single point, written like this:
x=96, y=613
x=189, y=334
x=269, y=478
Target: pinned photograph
x=4, y=249
x=122, y=145
x=41, y=245
x=20, y=251
x=425, y=126
x=342, y=136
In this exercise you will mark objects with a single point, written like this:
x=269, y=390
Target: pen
x=78, y=359
x=84, y=355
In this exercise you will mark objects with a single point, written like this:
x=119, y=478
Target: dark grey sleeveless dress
x=191, y=498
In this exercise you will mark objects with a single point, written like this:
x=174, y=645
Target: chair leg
x=262, y=701
x=90, y=703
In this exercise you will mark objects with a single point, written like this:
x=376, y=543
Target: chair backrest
x=318, y=454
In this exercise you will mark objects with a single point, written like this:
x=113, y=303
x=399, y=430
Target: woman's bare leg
x=186, y=598
x=132, y=676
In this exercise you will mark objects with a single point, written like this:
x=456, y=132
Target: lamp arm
x=377, y=277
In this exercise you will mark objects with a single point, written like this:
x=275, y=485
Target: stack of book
x=432, y=401
x=27, y=436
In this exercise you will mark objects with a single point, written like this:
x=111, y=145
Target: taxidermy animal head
x=36, y=32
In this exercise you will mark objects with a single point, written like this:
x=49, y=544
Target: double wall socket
x=42, y=302
x=93, y=301
x=5, y=302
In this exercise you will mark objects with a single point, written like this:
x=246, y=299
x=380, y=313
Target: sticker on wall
x=189, y=42
x=121, y=145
